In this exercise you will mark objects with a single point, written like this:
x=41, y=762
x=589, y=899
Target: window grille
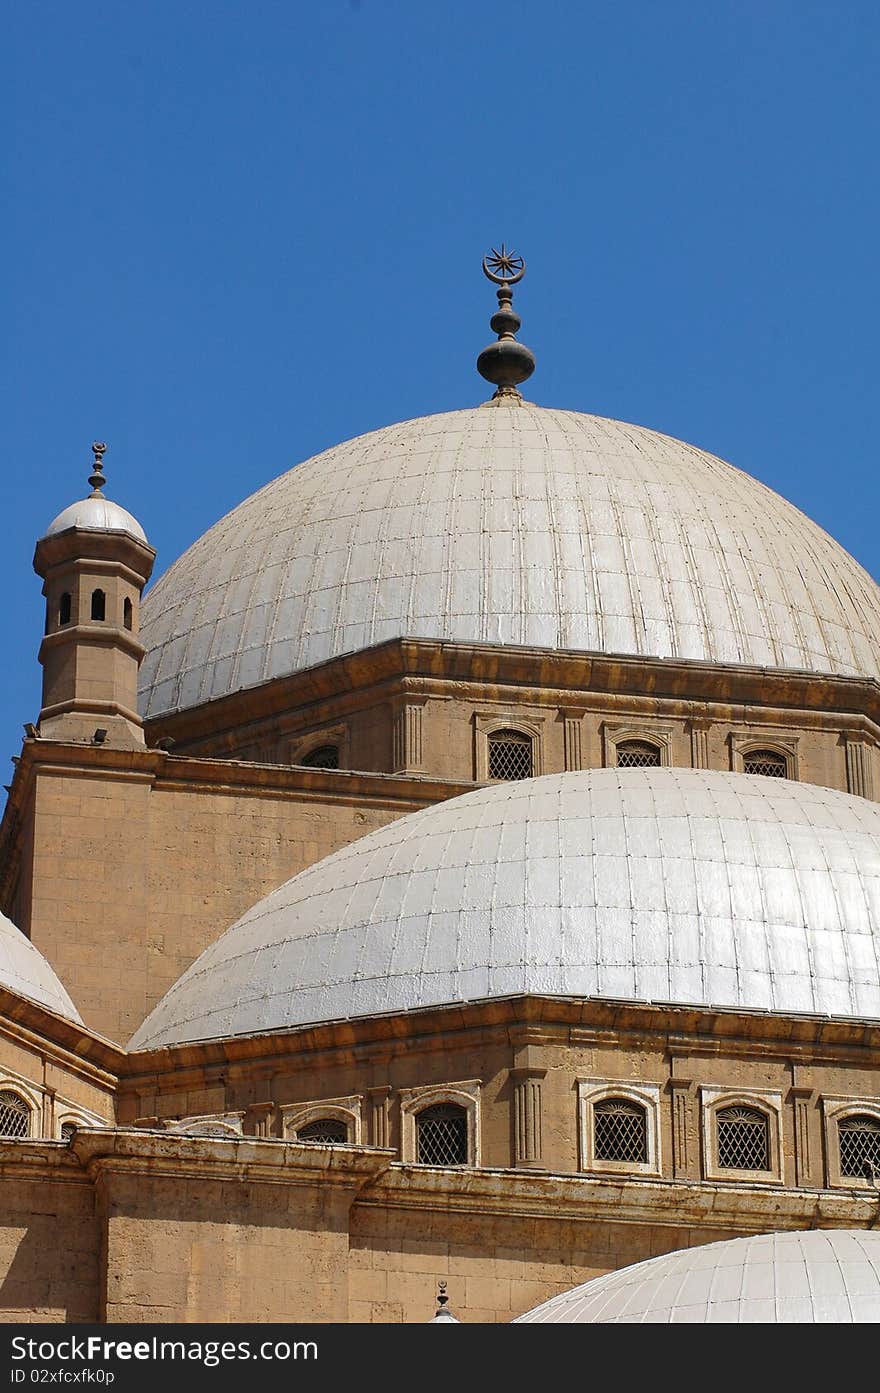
x=620, y=1131
x=510, y=755
x=442, y=1136
x=859, y=1138
x=15, y=1115
x=638, y=754
x=327, y=1131
x=767, y=762
x=324, y=757
x=67, y=1131
x=743, y=1139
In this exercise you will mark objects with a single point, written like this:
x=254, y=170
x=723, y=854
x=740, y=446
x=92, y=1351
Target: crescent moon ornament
x=503, y=267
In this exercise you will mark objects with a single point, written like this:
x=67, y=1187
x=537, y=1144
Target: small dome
x=822, y=1276
x=100, y=514
x=25, y=971
x=681, y=886
x=506, y=525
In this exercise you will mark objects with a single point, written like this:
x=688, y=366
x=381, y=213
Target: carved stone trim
x=527, y=1117
x=859, y=767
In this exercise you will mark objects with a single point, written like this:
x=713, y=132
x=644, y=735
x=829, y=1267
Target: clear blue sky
x=237, y=233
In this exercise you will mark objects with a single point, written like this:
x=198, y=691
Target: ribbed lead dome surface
x=817, y=1277
x=24, y=970
x=668, y=885
x=519, y=525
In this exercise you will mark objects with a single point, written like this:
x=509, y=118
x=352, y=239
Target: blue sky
x=235, y=234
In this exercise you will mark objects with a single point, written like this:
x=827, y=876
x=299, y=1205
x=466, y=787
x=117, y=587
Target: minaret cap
x=507, y=362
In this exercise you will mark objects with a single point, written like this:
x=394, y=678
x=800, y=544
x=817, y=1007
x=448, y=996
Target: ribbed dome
x=506, y=524
x=24, y=970
x=667, y=885
x=817, y=1277
x=98, y=513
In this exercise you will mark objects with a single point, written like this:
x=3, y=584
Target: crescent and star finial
x=506, y=363
x=96, y=478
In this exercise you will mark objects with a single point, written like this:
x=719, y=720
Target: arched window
x=99, y=604
x=743, y=1139
x=126, y=613
x=620, y=1131
x=767, y=762
x=68, y=1131
x=326, y=1131
x=858, y=1135
x=442, y=1136
x=510, y=755
x=638, y=754
x=15, y=1115
x=64, y=608
x=324, y=757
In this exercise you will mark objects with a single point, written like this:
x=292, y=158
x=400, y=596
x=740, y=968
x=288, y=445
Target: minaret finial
x=443, y=1315
x=97, y=479
x=507, y=362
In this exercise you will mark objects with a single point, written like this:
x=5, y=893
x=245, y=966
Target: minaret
x=508, y=362
x=95, y=561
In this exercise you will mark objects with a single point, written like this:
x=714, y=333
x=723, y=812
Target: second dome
x=507, y=525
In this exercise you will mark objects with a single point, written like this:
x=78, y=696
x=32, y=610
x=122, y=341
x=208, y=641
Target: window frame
x=741, y=746
x=348, y=1110
x=485, y=725
x=834, y=1111
x=715, y=1100
x=591, y=1092
x=31, y=1101
x=465, y=1095
x=660, y=736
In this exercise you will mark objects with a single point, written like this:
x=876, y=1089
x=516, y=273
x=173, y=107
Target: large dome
x=506, y=524
x=668, y=885
x=822, y=1276
x=25, y=971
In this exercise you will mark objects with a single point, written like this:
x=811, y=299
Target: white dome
x=666, y=885
x=98, y=513
x=817, y=1277
x=515, y=525
x=25, y=971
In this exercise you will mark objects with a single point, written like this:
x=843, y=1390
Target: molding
x=464, y=1094
x=614, y=734
x=834, y=1110
x=743, y=743
x=769, y=1103
x=489, y=724
x=348, y=1110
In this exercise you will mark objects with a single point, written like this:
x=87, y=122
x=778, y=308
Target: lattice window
x=620, y=1131
x=638, y=754
x=767, y=762
x=743, y=1137
x=324, y=757
x=510, y=755
x=327, y=1131
x=68, y=1130
x=859, y=1138
x=15, y=1115
x=442, y=1136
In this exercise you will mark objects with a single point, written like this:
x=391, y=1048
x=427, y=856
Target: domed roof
x=666, y=885
x=24, y=970
x=99, y=513
x=506, y=524
x=820, y=1276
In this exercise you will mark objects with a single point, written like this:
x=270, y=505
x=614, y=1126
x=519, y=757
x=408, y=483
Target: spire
x=442, y=1314
x=507, y=362
x=96, y=479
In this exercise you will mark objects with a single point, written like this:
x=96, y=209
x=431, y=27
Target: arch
x=127, y=613
x=324, y=1131
x=321, y=757
x=64, y=608
x=771, y=763
x=16, y=1114
x=510, y=754
x=638, y=754
x=99, y=605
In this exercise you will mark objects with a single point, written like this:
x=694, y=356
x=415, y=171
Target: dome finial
x=97, y=479
x=507, y=362
x=442, y=1313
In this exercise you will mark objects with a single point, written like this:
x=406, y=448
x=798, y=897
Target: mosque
x=462, y=866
